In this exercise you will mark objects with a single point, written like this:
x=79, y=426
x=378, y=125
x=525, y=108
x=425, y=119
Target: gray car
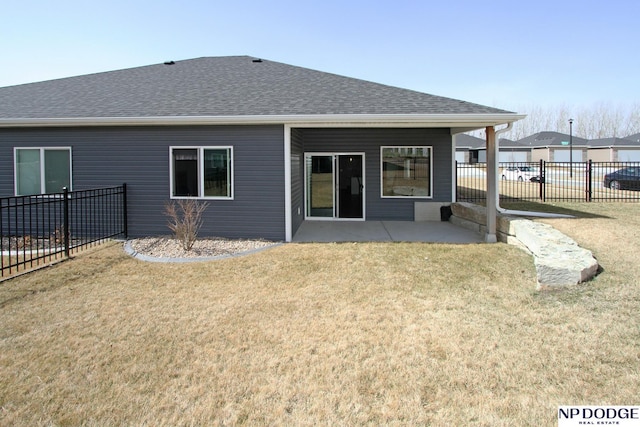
x=623, y=179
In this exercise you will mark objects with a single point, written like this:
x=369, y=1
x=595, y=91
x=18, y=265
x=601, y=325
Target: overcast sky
x=498, y=53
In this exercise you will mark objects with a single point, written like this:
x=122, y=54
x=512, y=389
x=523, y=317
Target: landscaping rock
x=470, y=212
x=558, y=259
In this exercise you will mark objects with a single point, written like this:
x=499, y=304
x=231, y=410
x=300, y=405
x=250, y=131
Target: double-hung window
x=202, y=172
x=42, y=170
x=406, y=171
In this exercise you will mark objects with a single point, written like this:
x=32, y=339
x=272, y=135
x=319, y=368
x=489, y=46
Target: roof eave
x=457, y=121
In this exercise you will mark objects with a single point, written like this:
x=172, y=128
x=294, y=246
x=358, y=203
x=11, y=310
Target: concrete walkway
x=385, y=231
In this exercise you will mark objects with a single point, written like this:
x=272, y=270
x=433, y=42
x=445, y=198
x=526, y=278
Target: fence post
x=455, y=182
x=124, y=211
x=542, y=179
x=589, y=180
x=1, y=239
x=65, y=210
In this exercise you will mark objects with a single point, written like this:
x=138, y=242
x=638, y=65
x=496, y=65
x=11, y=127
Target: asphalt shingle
x=612, y=142
x=219, y=86
x=547, y=138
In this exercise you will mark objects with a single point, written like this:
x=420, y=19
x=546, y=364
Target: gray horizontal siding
x=297, y=180
x=139, y=156
x=369, y=141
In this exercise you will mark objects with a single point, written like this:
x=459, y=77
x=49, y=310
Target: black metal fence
x=38, y=230
x=552, y=181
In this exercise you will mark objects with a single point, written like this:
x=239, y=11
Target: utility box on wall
x=428, y=211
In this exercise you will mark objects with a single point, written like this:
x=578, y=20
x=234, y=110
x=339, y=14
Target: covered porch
x=328, y=151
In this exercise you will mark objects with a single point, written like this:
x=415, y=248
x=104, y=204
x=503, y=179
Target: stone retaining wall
x=558, y=259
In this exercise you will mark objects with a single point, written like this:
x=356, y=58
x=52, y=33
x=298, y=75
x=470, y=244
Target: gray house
x=470, y=149
x=268, y=145
x=614, y=150
x=635, y=137
x=513, y=151
x=555, y=147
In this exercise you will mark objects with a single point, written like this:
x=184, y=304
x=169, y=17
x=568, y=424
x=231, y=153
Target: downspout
x=497, y=165
x=510, y=211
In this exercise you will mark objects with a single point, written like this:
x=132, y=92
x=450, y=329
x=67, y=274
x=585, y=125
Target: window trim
x=42, y=165
x=200, y=152
x=430, y=148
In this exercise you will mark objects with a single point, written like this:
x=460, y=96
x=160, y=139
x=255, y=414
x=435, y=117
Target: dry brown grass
x=15, y=265
x=322, y=190
x=329, y=334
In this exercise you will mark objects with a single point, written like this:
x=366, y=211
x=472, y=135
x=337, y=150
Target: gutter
x=369, y=120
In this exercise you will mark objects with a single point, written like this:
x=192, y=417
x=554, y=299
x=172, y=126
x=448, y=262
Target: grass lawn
x=329, y=334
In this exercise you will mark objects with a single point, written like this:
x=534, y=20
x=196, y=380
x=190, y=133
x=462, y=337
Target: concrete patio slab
x=385, y=231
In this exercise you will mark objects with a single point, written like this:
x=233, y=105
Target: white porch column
x=492, y=193
x=288, y=221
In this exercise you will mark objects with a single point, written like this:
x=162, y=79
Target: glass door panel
x=320, y=186
x=350, y=186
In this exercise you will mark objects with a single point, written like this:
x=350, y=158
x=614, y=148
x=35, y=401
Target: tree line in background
x=597, y=121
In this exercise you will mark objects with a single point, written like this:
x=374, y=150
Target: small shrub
x=185, y=220
x=58, y=235
x=23, y=242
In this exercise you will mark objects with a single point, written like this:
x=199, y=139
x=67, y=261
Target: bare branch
x=185, y=220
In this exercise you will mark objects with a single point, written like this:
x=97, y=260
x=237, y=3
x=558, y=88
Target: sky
x=503, y=54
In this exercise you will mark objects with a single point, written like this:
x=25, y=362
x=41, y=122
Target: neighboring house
x=468, y=149
x=555, y=147
x=268, y=145
x=635, y=137
x=614, y=150
x=513, y=151
x=550, y=146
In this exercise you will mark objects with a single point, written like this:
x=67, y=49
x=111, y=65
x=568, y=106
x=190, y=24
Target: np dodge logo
x=626, y=416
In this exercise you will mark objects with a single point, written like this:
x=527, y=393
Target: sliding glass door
x=334, y=186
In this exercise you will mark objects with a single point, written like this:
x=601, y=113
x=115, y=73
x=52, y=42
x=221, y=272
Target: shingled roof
x=635, y=137
x=469, y=141
x=221, y=87
x=548, y=138
x=613, y=142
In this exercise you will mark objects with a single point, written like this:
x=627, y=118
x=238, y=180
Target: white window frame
x=42, y=170
x=200, y=152
x=430, y=148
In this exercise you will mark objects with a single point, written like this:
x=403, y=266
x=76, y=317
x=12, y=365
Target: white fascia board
x=471, y=121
